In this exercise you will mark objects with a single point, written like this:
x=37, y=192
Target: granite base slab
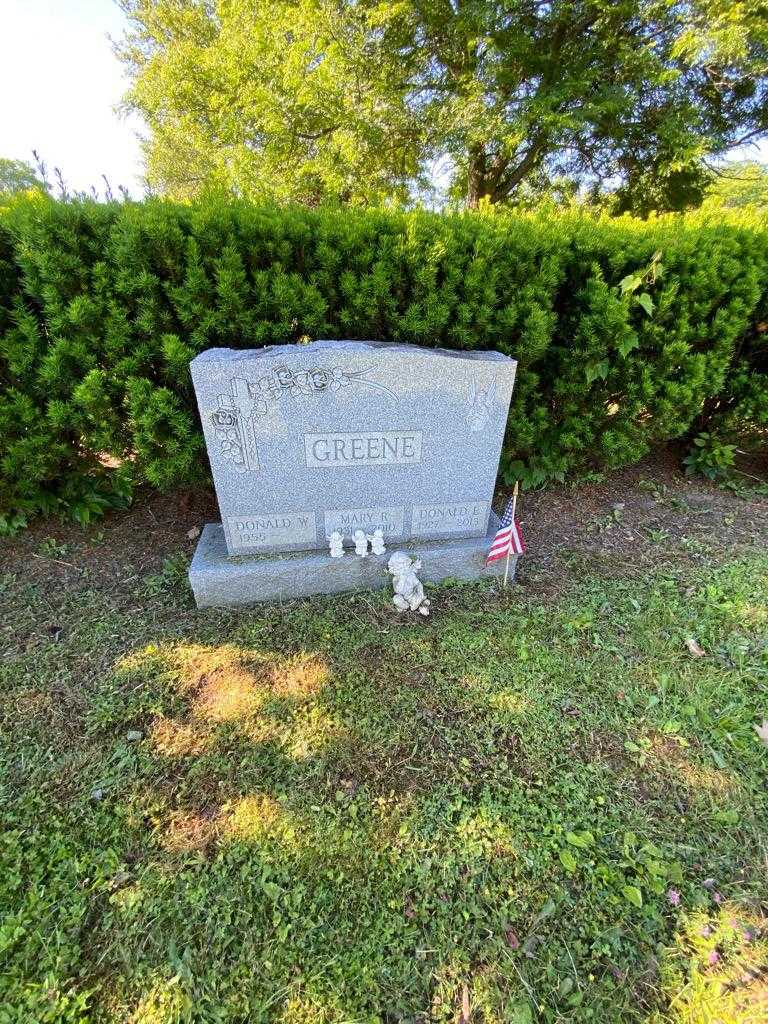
x=219, y=580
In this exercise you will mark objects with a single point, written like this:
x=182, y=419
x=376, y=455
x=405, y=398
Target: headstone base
x=220, y=581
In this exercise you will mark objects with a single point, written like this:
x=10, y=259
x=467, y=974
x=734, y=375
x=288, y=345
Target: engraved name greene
x=366, y=448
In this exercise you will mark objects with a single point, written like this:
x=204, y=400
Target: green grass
x=338, y=815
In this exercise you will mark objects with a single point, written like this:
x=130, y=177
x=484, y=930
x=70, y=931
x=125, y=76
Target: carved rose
x=224, y=418
x=315, y=380
x=285, y=377
x=302, y=384
x=319, y=379
x=308, y=381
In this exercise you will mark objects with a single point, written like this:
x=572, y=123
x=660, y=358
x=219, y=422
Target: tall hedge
x=103, y=305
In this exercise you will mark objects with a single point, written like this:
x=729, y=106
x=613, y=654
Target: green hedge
x=103, y=306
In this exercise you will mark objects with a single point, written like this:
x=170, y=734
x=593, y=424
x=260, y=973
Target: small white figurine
x=377, y=541
x=361, y=543
x=336, y=542
x=409, y=592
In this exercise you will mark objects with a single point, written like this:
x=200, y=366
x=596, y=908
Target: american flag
x=509, y=538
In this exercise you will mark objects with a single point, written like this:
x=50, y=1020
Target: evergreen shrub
x=103, y=305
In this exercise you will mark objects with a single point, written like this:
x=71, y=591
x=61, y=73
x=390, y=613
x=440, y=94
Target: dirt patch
x=636, y=518
x=605, y=748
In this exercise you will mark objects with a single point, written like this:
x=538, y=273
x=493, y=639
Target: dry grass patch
x=58, y=710
x=667, y=756
x=227, y=695
x=178, y=739
x=193, y=664
x=190, y=832
x=228, y=683
x=302, y=676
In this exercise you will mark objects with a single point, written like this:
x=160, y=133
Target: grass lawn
x=540, y=804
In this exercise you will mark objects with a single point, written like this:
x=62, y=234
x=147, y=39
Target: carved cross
x=242, y=401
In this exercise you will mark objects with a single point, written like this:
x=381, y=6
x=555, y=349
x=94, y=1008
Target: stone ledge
x=219, y=581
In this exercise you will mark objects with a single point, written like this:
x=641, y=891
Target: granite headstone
x=304, y=440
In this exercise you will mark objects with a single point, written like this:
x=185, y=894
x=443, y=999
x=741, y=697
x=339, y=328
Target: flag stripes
x=508, y=539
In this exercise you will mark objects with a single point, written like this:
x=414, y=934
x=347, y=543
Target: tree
x=352, y=99
x=17, y=176
x=739, y=185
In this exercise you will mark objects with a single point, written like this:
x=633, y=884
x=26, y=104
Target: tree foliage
x=357, y=99
x=18, y=176
x=739, y=185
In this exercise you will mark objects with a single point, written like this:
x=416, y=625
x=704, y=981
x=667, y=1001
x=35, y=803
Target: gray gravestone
x=341, y=435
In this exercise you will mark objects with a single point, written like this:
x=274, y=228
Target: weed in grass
x=607, y=522
x=659, y=491
x=659, y=536
x=50, y=548
x=172, y=576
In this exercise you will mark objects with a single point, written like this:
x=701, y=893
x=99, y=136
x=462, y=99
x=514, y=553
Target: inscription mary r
x=345, y=521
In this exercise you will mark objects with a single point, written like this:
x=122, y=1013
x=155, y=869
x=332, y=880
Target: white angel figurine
x=377, y=541
x=409, y=591
x=361, y=543
x=336, y=543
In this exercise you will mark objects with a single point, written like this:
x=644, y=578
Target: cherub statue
x=377, y=541
x=361, y=543
x=336, y=543
x=409, y=592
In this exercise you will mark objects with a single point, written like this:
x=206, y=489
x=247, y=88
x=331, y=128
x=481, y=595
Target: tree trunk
x=476, y=176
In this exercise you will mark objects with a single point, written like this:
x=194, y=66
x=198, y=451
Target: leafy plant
x=629, y=286
x=710, y=456
x=172, y=576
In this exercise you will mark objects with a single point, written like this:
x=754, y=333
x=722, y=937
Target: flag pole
x=514, y=510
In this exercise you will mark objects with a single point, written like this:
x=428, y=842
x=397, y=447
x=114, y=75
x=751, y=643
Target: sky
x=59, y=83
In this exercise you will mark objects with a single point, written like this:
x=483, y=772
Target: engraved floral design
x=234, y=419
x=224, y=418
x=339, y=379
x=313, y=381
x=229, y=440
x=481, y=406
x=304, y=383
